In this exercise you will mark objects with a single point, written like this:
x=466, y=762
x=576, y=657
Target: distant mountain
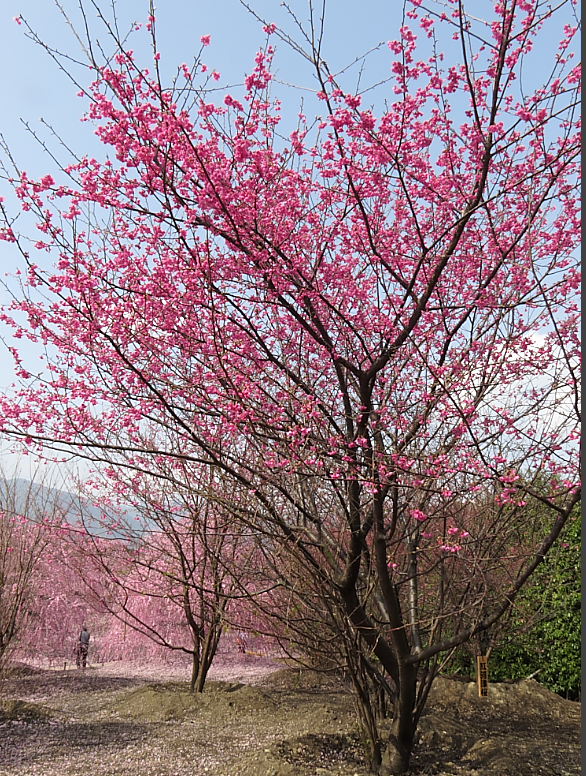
x=32, y=499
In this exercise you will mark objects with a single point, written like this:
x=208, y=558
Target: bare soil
x=257, y=719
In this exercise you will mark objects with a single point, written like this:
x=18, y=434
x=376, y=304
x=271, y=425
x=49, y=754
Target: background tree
x=365, y=329
x=551, y=648
x=61, y=605
x=29, y=519
x=177, y=562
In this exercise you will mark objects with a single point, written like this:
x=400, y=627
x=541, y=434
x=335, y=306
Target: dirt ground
x=257, y=719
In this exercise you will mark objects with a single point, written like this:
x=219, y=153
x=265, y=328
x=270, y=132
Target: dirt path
x=257, y=720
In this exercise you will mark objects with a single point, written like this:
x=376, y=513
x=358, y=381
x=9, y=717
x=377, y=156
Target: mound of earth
x=449, y=691
x=21, y=711
x=295, y=678
x=296, y=723
x=174, y=701
x=15, y=670
x=154, y=703
x=521, y=729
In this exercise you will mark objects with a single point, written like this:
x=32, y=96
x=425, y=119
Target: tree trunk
x=397, y=755
x=363, y=699
x=207, y=654
x=195, y=666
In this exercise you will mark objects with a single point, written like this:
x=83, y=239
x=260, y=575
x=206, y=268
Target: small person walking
x=241, y=642
x=82, y=647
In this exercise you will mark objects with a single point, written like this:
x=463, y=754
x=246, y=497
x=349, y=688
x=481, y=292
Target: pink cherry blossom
x=354, y=330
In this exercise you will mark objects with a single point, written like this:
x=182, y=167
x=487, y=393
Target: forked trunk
x=208, y=653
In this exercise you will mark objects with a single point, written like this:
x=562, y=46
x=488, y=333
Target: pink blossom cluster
x=381, y=311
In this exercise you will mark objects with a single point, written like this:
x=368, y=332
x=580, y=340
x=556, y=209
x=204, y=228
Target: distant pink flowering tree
x=43, y=597
x=172, y=577
x=61, y=604
x=371, y=328
x=21, y=544
x=30, y=521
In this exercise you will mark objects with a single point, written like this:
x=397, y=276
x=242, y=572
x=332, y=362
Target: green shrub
x=543, y=636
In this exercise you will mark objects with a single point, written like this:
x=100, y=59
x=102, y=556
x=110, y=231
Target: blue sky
x=32, y=85
x=35, y=87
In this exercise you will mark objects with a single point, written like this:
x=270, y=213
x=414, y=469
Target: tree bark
x=195, y=666
x=207, y=655
x=397, y=755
